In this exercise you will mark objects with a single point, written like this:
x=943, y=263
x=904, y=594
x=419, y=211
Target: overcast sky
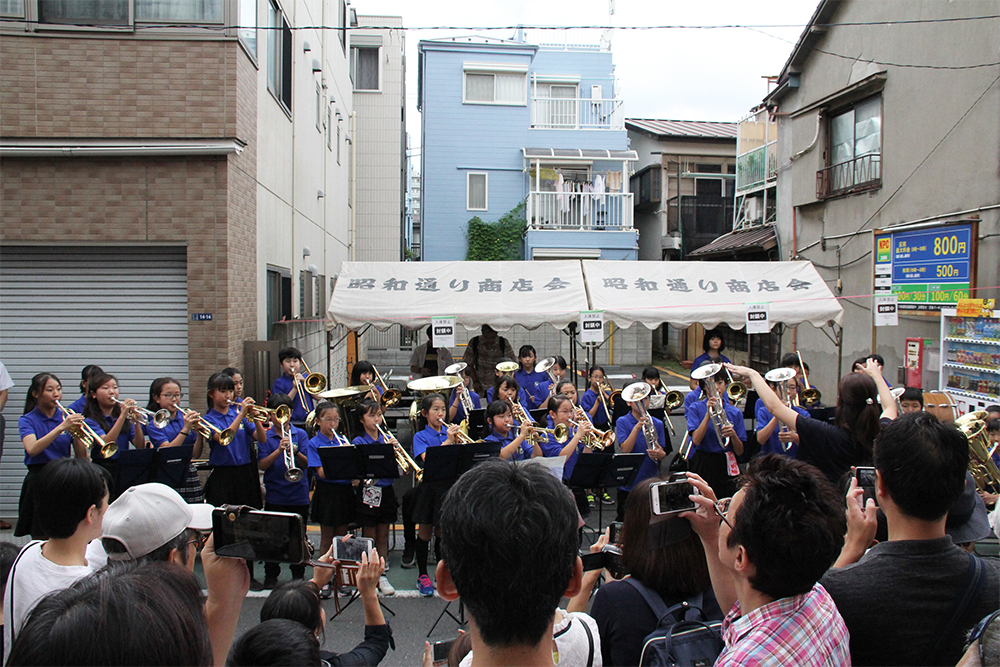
x=677, y=74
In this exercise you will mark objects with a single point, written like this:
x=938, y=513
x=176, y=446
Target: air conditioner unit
x=751, y=208
x=670, y=242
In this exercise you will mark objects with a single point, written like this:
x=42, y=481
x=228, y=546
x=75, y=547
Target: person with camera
x=766, y=549
x=666, y=558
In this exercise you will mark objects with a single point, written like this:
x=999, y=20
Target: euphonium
x=717, y=413
x=984, y=470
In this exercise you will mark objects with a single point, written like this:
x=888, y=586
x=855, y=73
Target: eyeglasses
x=200, y=540
x=171, y=395
x=979, y=631
x=722, y=508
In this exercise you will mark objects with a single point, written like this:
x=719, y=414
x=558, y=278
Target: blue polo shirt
x=522, y=452
x=551, y=448
x=649, y=467
x=428, y=438
x=691, y=397
x=79, y=404
x=161, y=436
x=365, y=439
x=320, y=440
x=279, y=490
x=124, y=438
x=696, y=412
x=37, y=424
x=460, y=412
x=702, y=358
x=535, y=384
x=237, y=453
x=773, y=444
x=522, y=397
x=600, y=418
x=282, y=385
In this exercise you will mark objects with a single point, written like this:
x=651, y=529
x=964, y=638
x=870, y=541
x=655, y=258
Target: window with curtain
x=279, y=57
x=856, y=146
x=12, y=8
x=84, y=12
x=364, y=67
x=495, y=88
x=476, y=191
x=194, y=11
x=248, y=25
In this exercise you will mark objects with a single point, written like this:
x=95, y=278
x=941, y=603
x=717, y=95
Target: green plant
x=497, y=241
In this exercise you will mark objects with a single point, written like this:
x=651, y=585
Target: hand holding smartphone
x=865, y=477
x=672, y=497
x=349, y=549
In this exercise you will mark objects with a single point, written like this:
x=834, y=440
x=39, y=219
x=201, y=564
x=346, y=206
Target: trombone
x=292, y=472
x=671, y=399
x=606, y=387
x=142, y=416
x=313, y=384
x=735, y=391
x=89, y=436
x=389, y=395
x=403, y=458
x=810, y=395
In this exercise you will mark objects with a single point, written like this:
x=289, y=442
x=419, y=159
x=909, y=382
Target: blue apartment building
x=504, y=122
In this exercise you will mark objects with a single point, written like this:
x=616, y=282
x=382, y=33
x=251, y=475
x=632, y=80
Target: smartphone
x=865, y=477
x=614, y=528
x=672, y=497
x=352, y=548
x=442, y=649
x=275, y=537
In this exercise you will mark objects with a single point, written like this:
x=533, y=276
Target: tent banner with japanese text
x=500, y=294
x=708, y=293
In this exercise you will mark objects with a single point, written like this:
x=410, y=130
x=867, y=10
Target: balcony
x=576, y=113
x=581, y=211
x=756, y=167
x=861, y=173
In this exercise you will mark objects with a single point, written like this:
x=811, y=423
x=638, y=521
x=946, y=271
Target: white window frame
x=486, y=190
x=354, y=60
x=495, y=69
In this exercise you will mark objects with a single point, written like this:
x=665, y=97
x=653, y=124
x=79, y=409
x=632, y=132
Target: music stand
x=600, y=470
x=346, y=574
x=538, y=415
x=460, y=619
x=341, y=462
x=476, y=452
x=378, y=461
x=134, y=467
x=172, y=465
x=443, y=462
x=477, y=424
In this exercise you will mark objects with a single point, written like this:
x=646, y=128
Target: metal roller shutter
x=122, y=308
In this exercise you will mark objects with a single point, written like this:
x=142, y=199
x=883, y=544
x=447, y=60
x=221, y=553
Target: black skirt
x=234, y=485
x=26, y=505
x=386, y=512
x=430, y=495
x=333, y=504
x=714, y=469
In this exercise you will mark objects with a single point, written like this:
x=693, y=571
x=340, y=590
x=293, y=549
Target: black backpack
x=683, y=636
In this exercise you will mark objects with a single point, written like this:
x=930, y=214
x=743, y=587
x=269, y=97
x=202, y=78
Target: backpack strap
x=590, y=641
x=11, y=588
x=973, y=586
x=659, y=608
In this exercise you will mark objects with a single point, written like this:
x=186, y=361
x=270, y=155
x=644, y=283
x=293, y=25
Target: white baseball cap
x=147, y=516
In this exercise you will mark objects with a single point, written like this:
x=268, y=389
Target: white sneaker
x=384, y=587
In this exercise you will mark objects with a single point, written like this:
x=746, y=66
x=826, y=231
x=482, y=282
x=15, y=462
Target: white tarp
x=708, y=293
x=500, y=294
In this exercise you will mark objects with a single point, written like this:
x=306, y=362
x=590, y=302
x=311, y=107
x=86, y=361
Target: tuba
x=716, y=414
x=984, y=470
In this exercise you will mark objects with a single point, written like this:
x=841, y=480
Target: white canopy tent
x=532, y=293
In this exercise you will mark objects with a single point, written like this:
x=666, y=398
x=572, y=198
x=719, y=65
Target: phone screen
x=672, y=497
x=442, y=649
x=352, y=549
x=615, y=530
x=276, y=537
x=866, y=480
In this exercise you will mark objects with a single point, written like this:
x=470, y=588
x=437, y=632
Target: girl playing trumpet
x=165, y=394
x=234, y=479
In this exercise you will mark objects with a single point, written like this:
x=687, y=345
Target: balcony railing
x=756, y=167
x=576, y=113
x=861, y=173
x=579, y=210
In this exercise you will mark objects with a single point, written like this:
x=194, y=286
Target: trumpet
x=519, y=413
x=142, y=416
x=389, y=395
x=596, y=440
x=538, y=434
x=292, y=472
x=810, y=395
x=258, y=413
x=717, y=413
x=89, y=436
x=403, y=458
x=462, y=437
x=210, y=431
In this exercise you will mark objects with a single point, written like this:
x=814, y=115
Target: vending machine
x=970, y=359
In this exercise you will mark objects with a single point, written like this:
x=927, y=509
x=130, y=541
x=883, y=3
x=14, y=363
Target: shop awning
x=753, y=239
x=500, y=294
x=708, y=293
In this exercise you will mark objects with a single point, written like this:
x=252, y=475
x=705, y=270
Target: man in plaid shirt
x=777, y=536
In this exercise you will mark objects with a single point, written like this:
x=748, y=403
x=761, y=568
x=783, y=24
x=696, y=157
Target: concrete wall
x=934, y=160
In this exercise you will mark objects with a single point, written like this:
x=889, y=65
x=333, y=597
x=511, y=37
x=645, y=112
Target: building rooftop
x=699, y=129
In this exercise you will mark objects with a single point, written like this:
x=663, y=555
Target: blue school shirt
x=701, y=358
x=691, y=397
x=279, y=490
x=696, y=412
x=320, y=440
x=282, y=385
x=521, y=453
x=649, y=467
x=535, y=384
x=161, y=436
x=37, y=424
x=773, y=444
x=551, y=448
x=522, y=397
x=365, y=439
x=124, y=437
x=428, y=438
x=237, y=453
x=600, y=418
x=79, y=404
x=476, y=404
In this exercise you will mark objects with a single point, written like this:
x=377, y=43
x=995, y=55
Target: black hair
x=155, y=389
x=858, y=412
x=93, y=621
x=280, y=398
x=496, y=408
x=506, y=380
x=720, y=376
x=219, y=382
x=428, y=401
x=592, y=369
x=296, y=600
x=912, y=394
x=323, y=406
x=562, y=384
x=8, y=553
x=791, y=523
x=85, y=374
x=922, y=463
x=487, y=518
x=560, y=362
x=877, y=358
x=859, y=364
x=791, y=360
x=368, y=406
x=232, y=372
x=650, y=373
x=709, y=335
x=65, y=491
x=92, y=409
x=360, y=368
x=526, y=350
x=993, y=425
x=289, y=353
x=275, y=642
x=37, y=386
x=992, y=408
x=161, y=554
x=555, y=400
